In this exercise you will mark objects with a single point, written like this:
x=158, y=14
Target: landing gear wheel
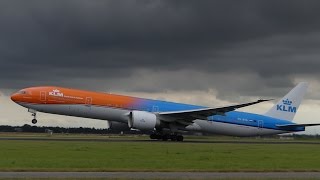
x=165, y=137
x=153, y=136
x=34, y=121
x=173, y=137
x=179, y=138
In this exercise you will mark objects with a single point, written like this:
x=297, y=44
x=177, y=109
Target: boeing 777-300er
x=166, y=120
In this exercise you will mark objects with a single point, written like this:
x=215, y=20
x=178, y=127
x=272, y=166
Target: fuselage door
x=88, y=101
x=155, y=109
x=43, y=96
x=260, y=124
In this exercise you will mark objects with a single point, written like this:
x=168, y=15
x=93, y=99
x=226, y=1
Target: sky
x=211, y=53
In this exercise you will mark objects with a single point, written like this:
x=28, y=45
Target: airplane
x=166, y=120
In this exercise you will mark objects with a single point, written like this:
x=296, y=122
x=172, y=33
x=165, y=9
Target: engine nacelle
x=142, y=120
x=118, y=126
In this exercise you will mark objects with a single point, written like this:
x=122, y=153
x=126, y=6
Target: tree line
x=71, y=130
x=86, y=130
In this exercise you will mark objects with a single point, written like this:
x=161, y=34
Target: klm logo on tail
x=286, y=106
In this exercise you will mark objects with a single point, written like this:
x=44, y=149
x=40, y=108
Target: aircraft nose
x=14, y=97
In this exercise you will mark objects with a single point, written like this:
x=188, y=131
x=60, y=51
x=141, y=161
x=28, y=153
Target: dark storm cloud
x=254, y=45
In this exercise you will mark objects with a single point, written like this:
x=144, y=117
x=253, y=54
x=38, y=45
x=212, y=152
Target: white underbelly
x=94, y=112
x=234, y=129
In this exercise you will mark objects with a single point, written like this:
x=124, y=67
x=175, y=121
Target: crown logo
x=287, y=102
x=55, y=90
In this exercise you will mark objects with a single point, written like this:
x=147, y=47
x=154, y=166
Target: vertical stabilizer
x=288, y=106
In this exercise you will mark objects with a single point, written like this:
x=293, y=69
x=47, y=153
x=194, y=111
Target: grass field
x=156, y=156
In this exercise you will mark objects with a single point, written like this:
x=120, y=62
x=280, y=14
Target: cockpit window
x=22, y=92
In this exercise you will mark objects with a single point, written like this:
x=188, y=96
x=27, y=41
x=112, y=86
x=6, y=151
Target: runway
x=162, y=175
x=142, y=140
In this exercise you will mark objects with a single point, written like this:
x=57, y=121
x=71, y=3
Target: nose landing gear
x=34, y=121
x=34, y=114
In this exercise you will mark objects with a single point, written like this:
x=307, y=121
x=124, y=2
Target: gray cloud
x=239, y=48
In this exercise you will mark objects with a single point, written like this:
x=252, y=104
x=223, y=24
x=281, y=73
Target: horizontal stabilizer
x=296, y=125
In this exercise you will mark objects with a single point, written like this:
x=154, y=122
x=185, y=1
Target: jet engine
x=118, y=126
x=142, y=120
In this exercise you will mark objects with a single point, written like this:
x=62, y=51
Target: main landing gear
x=166, y=137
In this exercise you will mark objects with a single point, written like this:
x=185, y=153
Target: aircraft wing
x=190, y=115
